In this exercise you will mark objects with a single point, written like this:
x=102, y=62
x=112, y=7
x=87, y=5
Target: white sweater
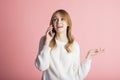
x=60, y=65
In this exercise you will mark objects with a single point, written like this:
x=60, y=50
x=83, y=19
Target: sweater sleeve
x=82, y=68
x=43, y=57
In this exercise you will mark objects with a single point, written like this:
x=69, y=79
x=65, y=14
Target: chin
x=60, y=31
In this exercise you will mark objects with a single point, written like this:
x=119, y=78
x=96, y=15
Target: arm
x=81, y=69
x=43, y=57
x=84, y=67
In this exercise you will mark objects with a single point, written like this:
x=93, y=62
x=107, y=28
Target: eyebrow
x=54, y=16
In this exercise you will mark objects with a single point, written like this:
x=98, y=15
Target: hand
x=93, y=52
x=49, y=35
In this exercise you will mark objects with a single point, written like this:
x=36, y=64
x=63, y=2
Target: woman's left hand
x=93, y=52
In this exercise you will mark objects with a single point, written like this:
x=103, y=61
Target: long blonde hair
x=66, y=16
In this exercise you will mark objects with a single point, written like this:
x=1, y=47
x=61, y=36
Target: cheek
x=65, y=24
x=54, y=24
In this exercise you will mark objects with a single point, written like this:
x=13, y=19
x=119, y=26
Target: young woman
x=59, y=54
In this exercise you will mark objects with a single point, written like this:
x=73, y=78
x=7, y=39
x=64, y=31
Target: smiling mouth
x=60, y=27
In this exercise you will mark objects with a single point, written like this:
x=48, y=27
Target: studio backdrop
x=95, y=23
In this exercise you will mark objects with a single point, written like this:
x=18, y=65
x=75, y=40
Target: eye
x=54, y=19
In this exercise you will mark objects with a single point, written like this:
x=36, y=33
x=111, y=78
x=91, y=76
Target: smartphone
x=53, y=30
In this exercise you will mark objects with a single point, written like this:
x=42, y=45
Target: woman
x=59, y=54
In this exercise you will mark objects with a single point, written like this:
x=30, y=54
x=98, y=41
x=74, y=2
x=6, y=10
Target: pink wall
x=23, y=22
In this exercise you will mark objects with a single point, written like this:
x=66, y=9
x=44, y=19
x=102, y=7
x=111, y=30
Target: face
x=60, y=24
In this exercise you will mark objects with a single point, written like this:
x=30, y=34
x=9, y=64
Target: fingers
x=99, y=50
x=94, y=52
x=49, y=31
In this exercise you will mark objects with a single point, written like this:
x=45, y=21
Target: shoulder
x=76, y=48
x=75, y=45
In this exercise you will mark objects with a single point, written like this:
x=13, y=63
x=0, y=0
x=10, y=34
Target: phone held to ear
x=51, y=33
x=53, y=30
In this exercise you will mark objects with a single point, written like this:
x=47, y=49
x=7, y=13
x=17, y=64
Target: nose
x=59, y=22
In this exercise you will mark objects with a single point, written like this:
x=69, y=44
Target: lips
x=60, y=27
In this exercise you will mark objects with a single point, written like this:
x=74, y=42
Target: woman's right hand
x=49, y=35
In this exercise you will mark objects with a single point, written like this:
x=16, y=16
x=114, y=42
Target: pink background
x=96, y=23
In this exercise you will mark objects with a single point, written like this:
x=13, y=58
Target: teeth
x=60, y=26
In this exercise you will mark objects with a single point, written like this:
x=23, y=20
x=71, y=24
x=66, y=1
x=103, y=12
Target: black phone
x=53, y=30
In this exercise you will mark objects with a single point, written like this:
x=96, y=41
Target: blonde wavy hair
x=66, y=16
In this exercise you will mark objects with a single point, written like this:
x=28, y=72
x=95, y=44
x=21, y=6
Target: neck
x=62, y=37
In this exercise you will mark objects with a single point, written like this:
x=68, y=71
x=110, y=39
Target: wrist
x=88, y=56
x=47, y=43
